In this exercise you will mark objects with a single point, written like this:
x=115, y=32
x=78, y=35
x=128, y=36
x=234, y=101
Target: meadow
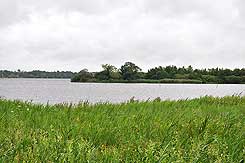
x=206, y=129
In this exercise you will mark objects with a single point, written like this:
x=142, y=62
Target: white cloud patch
x=71, y=35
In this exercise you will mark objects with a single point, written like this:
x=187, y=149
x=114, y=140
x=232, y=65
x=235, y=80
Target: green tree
x=109, y=72
x=130, y=71
x=82, y=76
x=233, y=79
x=190, y=69
x=157, y=73
x=171, y=70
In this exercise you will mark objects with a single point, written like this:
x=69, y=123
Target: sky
x=72, y=35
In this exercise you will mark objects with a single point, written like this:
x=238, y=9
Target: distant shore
x=148, y=81
x=131, y=73
x=162, y=81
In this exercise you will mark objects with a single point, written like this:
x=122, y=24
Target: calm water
x=62, y=90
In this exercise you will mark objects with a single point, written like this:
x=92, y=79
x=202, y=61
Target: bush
x=233, y=79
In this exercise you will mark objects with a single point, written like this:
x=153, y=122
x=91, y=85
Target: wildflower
x=12, y=111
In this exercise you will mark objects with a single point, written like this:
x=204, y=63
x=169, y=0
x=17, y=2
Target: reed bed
x=206, y=129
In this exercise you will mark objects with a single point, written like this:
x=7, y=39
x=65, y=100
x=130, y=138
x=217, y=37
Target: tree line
x=131, y=73
x=36, y=74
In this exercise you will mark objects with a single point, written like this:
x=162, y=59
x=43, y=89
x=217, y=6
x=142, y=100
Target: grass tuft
x=207, y=129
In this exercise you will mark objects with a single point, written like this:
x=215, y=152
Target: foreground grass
x=200, y=130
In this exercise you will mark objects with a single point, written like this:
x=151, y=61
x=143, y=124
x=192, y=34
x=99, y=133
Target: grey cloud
x=71, y=35
x=9, y=12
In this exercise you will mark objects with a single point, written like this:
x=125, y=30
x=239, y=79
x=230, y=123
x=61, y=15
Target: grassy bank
x=200, y=130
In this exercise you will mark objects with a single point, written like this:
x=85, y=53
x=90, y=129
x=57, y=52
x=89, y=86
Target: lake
x=62, y=90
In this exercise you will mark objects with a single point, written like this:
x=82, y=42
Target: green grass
x=207, y=129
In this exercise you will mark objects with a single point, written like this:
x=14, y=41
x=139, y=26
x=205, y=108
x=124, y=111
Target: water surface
x=62, y=90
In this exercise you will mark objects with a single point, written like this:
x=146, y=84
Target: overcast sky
x=76, y=34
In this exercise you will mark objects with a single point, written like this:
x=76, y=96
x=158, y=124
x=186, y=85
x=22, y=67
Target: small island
x=131, y=73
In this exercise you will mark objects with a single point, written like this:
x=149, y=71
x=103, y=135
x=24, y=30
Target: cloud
x=72, y=35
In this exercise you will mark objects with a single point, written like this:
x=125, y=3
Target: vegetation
x=207, y=129
x=149, y=81
x=131, y=73
x=36, y=74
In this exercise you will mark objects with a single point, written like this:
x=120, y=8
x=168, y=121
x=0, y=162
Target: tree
x=236, y=72
x=233, y=79
x=82, y=76
x=130, y=71
x=190, y=69
x=109, y=72
x=157, y=73
x=209, y=79
x=182, y=70
x=171, y=70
